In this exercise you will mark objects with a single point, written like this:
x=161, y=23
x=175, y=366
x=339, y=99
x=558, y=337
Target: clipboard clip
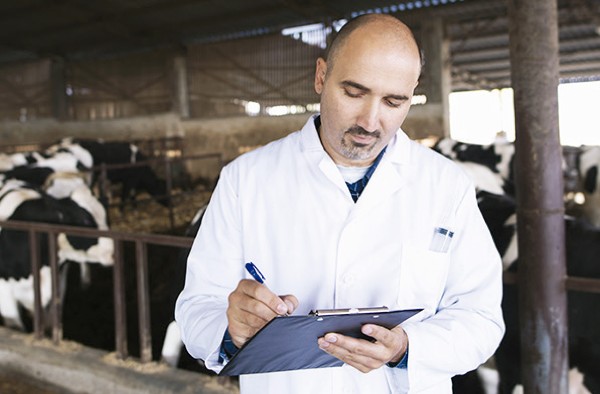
x=348, y=311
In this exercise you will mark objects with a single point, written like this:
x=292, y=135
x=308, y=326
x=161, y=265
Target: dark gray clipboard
x=290, y=342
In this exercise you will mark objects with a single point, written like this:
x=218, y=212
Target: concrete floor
x=72, y=368
x=16, y=383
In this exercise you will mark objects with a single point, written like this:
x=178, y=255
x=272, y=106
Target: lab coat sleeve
x=213, y=270
x=468, y=325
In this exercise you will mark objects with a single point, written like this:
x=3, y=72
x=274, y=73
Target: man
x=299, y=209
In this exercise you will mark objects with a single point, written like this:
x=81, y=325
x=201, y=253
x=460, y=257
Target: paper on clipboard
x=290, y=342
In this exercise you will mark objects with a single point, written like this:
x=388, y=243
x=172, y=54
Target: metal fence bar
x=34, y=254
x=120, y=304
x=214, y=155
x=169, y=176
x=156, y=239
x=573, y=283
x=586, y=285
x=143, y=301
x=141, y=242
x=56, y=303
x=143, y=291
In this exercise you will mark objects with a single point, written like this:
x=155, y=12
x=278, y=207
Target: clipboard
x=290, y=342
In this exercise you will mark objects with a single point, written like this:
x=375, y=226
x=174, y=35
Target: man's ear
x=320, y=72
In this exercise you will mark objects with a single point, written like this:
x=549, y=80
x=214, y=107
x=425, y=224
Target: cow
x=20, y=201
x=490, y=166
x=8, y=162
x=94, y=153
x=40, y=169
x=582, y=251
x=589, y=163
x=32, y=175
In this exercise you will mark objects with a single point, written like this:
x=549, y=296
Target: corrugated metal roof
x=478, y=29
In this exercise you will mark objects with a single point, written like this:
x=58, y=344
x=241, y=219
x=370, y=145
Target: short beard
x=355, y=151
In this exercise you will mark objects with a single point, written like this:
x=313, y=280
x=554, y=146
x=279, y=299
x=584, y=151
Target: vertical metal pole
x=533, y=31
x=34, y=253
x=143, y=297
x=56, y=305
x=119, y=300
x=58, y=80
x=438, y=75
x=104, y=187
x=169, y=177
x=181, y=102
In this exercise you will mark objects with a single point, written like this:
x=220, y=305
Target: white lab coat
x=286, y=208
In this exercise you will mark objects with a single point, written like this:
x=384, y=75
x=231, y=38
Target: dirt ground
x=150, y=217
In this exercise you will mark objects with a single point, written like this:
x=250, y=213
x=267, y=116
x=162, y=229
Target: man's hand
x=251, y=306
x=389, y=346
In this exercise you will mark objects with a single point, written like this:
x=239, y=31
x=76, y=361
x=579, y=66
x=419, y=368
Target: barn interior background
x=224, y=77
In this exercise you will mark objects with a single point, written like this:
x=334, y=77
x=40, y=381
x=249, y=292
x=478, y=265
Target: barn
x=116, y=119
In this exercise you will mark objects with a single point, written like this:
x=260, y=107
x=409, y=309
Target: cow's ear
x=590, y=181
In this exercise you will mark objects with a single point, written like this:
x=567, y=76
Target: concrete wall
x=229, y=136
x=425, y=121
x=233, y=136
x=49, y=130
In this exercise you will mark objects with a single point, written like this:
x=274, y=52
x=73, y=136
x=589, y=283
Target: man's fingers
x=260, y=292
x=350, y=350
x=389, y=345
x=380, y=334
x=251, y=306
x=291, y=302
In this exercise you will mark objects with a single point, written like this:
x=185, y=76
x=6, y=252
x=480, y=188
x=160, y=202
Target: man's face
x=365, y=97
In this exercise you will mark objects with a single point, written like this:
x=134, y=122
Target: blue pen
x=257, y=275
x=255, y=272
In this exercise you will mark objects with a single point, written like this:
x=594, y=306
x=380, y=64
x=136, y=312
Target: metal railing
x=141, y=241
x=572, y=283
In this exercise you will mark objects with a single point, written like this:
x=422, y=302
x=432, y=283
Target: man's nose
x=368, y=118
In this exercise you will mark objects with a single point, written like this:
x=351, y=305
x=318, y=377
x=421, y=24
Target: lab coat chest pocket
x=422, y=277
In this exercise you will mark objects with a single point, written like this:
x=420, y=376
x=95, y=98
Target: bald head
x=379, y=27
x=366, y=85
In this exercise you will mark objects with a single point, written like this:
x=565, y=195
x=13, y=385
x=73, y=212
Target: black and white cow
x=19, y=201
x=42, y=169
x=582, y=249
x=490, y=166
x=32, y=175
x=132, y=179
x=589, y=167
x=10, y=161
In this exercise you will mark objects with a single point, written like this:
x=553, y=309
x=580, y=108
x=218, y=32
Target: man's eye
x=393, y=103
x=351, y=93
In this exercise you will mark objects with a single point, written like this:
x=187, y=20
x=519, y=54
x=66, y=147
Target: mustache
x=357, y=130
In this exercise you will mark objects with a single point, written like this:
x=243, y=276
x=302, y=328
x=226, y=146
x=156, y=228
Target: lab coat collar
x=398, y=151
x=390, y=175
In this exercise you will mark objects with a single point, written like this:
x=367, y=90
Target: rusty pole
x=122, y=351
x=56, y=305
x=169, y=181
x=533, y=32
x=143, y=298
x=34, y=253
